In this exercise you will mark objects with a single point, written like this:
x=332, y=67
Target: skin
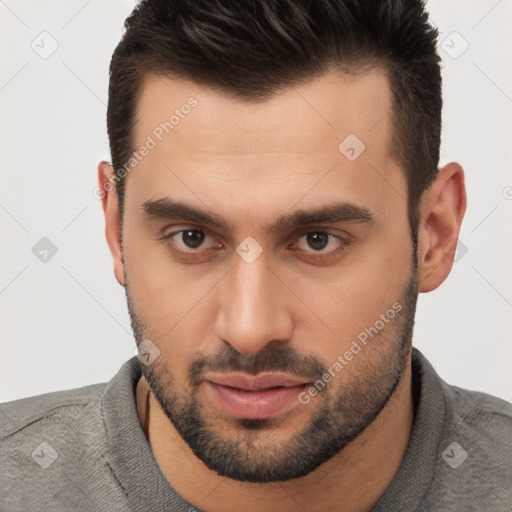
x=250, y=164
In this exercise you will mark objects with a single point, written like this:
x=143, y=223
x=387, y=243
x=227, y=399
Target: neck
x=354, y=480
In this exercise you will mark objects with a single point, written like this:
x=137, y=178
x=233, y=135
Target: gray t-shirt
x=84, y=450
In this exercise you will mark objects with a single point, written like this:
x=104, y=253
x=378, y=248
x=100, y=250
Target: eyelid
x=345, y=239
x=340, y=233
x=302, y=231
x=168, y=237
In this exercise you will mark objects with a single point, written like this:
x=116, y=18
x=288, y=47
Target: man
x=273, y=208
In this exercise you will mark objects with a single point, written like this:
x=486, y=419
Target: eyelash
x=345, y=243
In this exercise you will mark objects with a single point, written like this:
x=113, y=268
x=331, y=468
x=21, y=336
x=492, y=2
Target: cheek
x=357, y=293
x=175, y=305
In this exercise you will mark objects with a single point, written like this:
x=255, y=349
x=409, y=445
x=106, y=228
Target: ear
x=109, y=200
x=442, y=209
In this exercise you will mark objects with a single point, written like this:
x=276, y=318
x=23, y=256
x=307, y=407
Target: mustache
x=269, y=359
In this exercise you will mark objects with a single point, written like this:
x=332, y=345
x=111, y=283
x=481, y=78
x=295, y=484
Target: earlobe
x=110, y=205
x=442, y=210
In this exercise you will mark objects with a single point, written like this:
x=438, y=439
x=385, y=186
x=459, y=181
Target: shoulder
x=476, y=413
x=475, y=453
x=49, y=442
x=37, y=412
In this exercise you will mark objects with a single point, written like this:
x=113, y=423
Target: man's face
x=329, y=302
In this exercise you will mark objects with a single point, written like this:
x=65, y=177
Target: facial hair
x=340, y=417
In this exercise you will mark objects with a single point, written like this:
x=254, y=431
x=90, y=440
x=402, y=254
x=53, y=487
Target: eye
x=191, y=239
x=316, y=244
x=318, y=241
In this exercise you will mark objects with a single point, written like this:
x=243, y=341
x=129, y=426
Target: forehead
x=308, y=118
x=235, y=155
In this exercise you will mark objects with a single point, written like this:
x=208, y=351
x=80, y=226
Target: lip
x=254, y=382
x=255, y=397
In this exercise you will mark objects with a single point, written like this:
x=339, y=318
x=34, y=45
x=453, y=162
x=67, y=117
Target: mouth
x=255, y=397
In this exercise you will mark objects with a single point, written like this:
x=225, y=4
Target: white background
x=65, y=324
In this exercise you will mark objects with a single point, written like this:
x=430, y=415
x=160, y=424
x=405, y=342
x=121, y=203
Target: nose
x=255, y=307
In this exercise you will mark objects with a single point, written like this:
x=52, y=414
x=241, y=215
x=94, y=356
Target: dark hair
x=255, y=48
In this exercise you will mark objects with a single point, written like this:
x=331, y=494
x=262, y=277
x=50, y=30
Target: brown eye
x=192, y=238
x=317, y=240
x=318, y=245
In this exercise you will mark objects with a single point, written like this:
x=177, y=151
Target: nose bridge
x=251, y=285
x=252, y=311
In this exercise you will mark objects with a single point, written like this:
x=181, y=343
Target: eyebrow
x=334, y=212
